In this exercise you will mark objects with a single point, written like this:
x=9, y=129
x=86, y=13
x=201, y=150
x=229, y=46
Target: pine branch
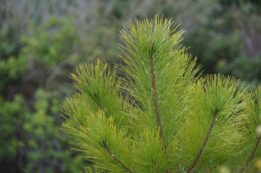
x=251, y=156
x=204, y=144
x=116, y=159
x=154, y=98
x=155, y=132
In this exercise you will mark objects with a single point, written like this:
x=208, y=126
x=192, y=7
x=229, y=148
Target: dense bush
x=29, y=116
x=55, y=41
x=12, y=116
x=228, y=45
x=44, y=142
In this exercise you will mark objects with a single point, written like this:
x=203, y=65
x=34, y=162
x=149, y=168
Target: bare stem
x=204, y=144
x=251, y=156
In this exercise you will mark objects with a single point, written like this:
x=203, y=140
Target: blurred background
x=42, y=41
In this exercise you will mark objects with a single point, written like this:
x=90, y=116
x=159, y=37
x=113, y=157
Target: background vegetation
x=42, y=41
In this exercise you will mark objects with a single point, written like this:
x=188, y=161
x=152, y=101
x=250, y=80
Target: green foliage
x=11, y=117
x=7, y=47
x=221, y=102
x=55, y=41
x=44, y=140
x=244, y=67
x=31, y=139
x=41, y=41
x=12, y=69
x=223, y=44
x=163, y=116
x=219, y=48
x=97, y=38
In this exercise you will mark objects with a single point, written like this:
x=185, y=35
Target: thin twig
x=251, y=156
x=204, y=144
x=117, y=160
x=154, y=98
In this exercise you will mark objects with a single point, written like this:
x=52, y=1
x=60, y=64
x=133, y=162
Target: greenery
x=41, y=42
x=32, y=140
x=42, y=128
x=163, y=116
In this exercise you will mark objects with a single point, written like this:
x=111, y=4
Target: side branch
x=251, y=156
x=204, y=144
x=116, y=159
x=154, y=93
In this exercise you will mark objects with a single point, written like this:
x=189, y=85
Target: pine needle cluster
x=160, y=115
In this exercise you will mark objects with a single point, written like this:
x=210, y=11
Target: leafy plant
x=12, y=69
x=44, y=142
x=31, y=139
x=163, y=116
x=11, y=117
x=52, y=43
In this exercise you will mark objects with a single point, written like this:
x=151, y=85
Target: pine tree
x=157, y=113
